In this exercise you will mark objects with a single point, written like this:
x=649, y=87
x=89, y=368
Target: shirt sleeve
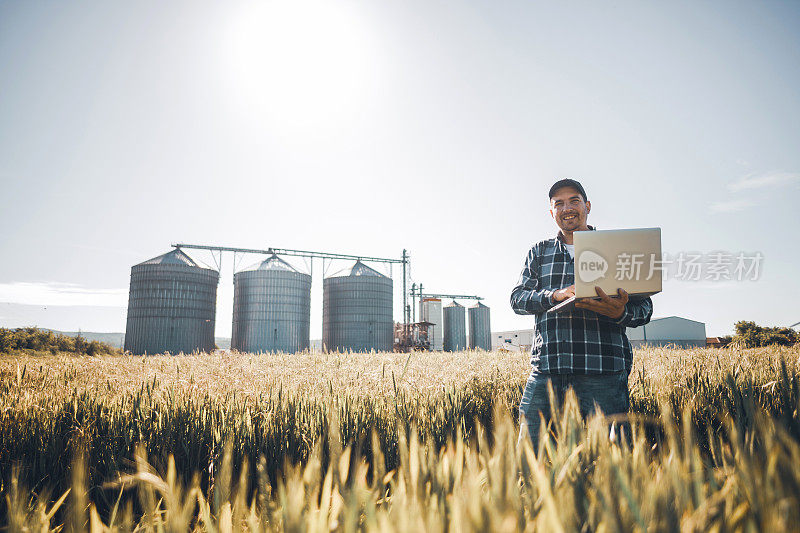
x=527, y=298
x=636, y=313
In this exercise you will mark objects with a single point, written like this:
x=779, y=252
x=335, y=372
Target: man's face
x=569, y=210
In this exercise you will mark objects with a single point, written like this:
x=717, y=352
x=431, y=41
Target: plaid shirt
x=577, y=341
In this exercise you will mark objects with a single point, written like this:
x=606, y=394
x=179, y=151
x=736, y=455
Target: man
x=586, y=348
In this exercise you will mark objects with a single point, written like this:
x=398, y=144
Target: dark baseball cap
x=568, y=183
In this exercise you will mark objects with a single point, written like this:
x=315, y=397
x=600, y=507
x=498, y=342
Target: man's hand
x=610, y=307
x=562, y=294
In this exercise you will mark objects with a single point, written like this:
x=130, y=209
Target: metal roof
x=673, y=317
x=454, y=304
x=175, y=257
x=358, y=269
x=273, y=262
x=479, y=304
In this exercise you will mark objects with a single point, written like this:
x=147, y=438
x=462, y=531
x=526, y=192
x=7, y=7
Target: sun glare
x=298, y=62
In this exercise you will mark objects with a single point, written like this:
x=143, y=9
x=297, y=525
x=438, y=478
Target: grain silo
x=271, y=308
x=171, y=306
x=455, y=330
x=480, y=330
x=357, y=310
x=430, y=310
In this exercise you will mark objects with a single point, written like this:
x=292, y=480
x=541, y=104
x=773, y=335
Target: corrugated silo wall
x=171, y=308
x=271, y=311
x=357, y=314
x=455, y=330
x=480, y=331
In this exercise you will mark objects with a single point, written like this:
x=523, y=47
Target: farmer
x=585, y=348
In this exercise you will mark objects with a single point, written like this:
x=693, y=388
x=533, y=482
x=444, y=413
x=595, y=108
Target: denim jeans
x=609, y=392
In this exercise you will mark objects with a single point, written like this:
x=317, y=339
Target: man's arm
x=620, y=310
x=527, y=297
x=636, y=313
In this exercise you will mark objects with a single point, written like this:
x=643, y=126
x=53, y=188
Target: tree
x=94, y=348
x=751, y=335
x=36, y=340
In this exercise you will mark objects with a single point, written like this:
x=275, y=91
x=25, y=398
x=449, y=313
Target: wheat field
x=393, y=442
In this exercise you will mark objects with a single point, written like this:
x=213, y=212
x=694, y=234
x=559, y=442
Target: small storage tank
x=455, y=330
x=430, y=310
x=271, y=308
x=480, y=330
x=172, y=306
x=357, y=310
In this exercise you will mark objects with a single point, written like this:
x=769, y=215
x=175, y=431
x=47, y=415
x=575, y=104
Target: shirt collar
x=560, y=236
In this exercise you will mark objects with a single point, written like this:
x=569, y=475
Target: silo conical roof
x=358, y=269
x=273, y=262
x=479, y=305
x=455, y=304
x=175, y=257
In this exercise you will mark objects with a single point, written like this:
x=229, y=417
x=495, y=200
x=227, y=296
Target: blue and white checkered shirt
x=577, y=341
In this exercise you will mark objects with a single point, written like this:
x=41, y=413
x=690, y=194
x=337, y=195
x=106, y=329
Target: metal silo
x=480, y=330
x=171, y=306
x=271, y=308
x=357, y=310
x=455, y=330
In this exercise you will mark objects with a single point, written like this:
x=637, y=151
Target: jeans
x=609, y=392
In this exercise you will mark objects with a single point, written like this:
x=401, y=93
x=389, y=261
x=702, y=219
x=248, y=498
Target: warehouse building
x=519, y=339
x=668, y=331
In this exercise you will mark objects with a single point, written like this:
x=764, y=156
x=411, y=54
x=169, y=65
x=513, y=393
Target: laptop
x=629, y=259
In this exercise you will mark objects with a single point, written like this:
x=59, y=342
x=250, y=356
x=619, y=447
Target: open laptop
x=629, y=259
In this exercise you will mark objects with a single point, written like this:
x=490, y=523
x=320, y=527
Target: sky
x=367, y=128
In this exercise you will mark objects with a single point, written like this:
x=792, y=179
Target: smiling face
x=570, y=210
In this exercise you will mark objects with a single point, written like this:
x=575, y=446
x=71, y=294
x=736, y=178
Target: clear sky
x=368, y=127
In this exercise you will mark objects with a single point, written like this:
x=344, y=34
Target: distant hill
x=117, y=340
x=223, y=343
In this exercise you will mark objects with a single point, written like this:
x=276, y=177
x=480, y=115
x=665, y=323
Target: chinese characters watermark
x=691, y=266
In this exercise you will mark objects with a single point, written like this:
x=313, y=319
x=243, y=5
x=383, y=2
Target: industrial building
x=357, y=310
x=668, y=331
x=447, y=328
x=171, y=306
x=519, y=339
x=271, y=308
x=448, y=325
x=412, y=337
x=430, y=310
